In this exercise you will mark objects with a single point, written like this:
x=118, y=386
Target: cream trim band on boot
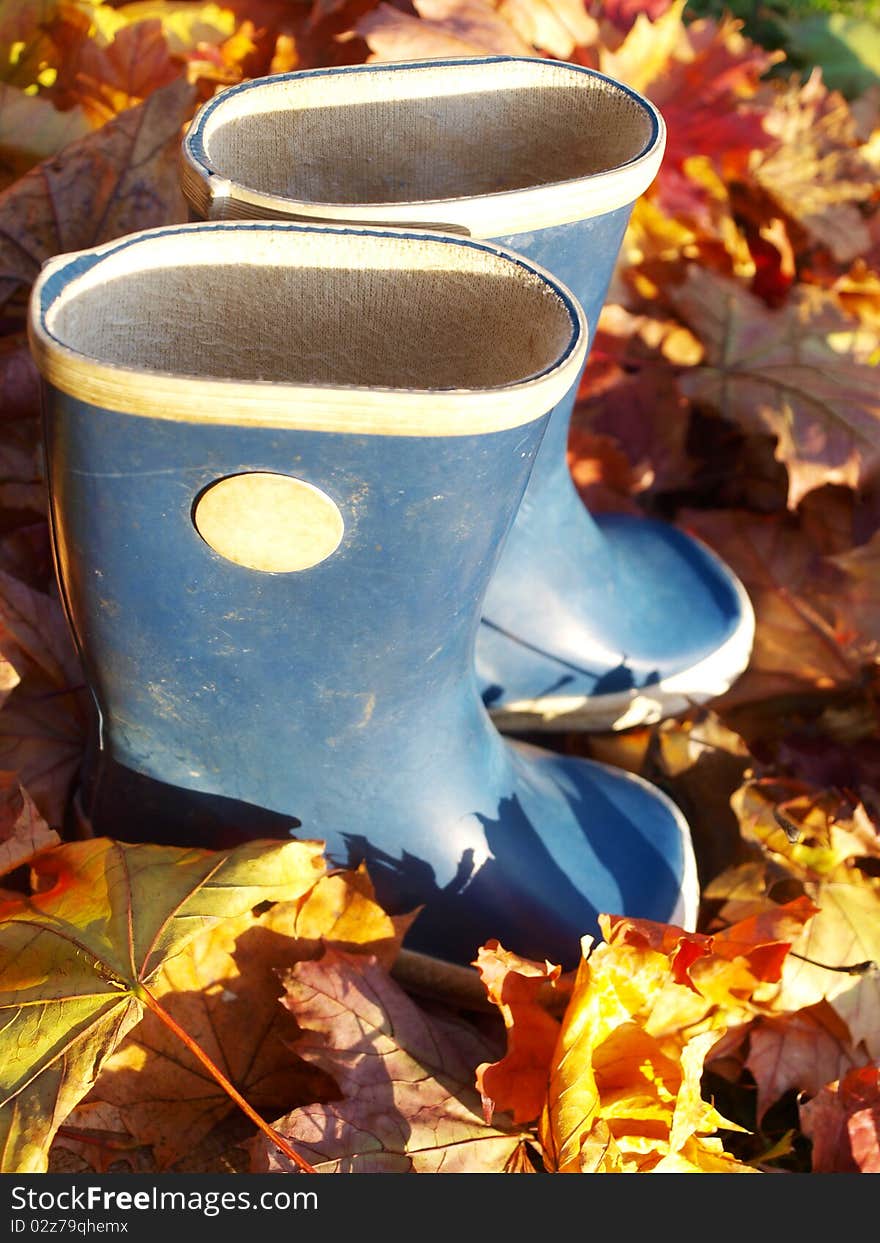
x=517, y=182
x=120, y=355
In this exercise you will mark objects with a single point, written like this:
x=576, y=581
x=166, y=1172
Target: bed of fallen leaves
x=152, y=996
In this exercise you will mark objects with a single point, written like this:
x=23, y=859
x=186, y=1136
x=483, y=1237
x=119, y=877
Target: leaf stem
x=217, y=1074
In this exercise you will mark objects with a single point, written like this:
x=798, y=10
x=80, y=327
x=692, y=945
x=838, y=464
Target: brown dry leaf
x=42, y=737
x=858, y=604
x=522, y=991
x=43, y=720
x=23, y=831
x=648, y=1006
x=800, y=372
x=629, y=393
x=95, y=1134
x=601, y=472
x=31, y=129
x=444, y=28
x=843, y=1121
x=816, y=172
x=223, y=990
x=406, y=1078
x=122, y=178
x=804, y=1050
x=19, y=384
x=797, y=646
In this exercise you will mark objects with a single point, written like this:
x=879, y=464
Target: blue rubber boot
x=589, y=623
x=283, y=460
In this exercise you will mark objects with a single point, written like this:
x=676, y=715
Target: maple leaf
x=121, y=178
x=23, y=831
x=517, y=1084
x=797, y=372
x=78, y=955
x=797, y=645
x=444, y=28
x=858, y=605
x=557, y=27
x=703, y=76
x=804, y=1050
x=31, y=129
x=843, y=1121
x=43, y=719
x=648, y=1005
x=104, y=81
x=19, y=382
x=815, y=171
x=629, y=395
x=25, y=46
x=821, y=846
x=223, y=990
x=406, y=1078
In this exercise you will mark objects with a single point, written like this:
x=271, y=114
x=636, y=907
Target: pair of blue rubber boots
x=314, y=527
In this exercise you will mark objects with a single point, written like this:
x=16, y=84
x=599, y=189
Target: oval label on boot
x=269, y=522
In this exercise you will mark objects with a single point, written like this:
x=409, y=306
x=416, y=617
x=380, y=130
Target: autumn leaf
x=648, y=1005
x=223, y=990
x=803, y=1051
x=859, y=603
x=78, y=955
x=629, y=396
x=797, y=644
x=104, y=81
x=121, y=178
x=25, y=45
x=32, y=129
x=836, y=957
x=444, y=28
x=843, y=1121
x=522, y=991
x=406, y=1079
x=816, y=172
x=797, y=372
x=23, y=831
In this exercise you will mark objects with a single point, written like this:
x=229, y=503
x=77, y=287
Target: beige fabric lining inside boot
x=423, y=133
x=263, y=304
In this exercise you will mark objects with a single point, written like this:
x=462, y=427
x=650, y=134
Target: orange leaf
x=105, y=81
x=517, y=1084
x=648, y=1006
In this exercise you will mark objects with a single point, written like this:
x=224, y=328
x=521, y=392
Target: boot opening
x=260, y=302
x=424, y=132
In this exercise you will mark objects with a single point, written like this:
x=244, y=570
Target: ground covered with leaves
x=175, y=1010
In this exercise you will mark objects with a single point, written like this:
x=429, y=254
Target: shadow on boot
x=589, y=623
x=283, y=461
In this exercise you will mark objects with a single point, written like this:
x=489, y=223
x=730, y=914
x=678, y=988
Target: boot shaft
x=545, y=157
x=282, y=464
